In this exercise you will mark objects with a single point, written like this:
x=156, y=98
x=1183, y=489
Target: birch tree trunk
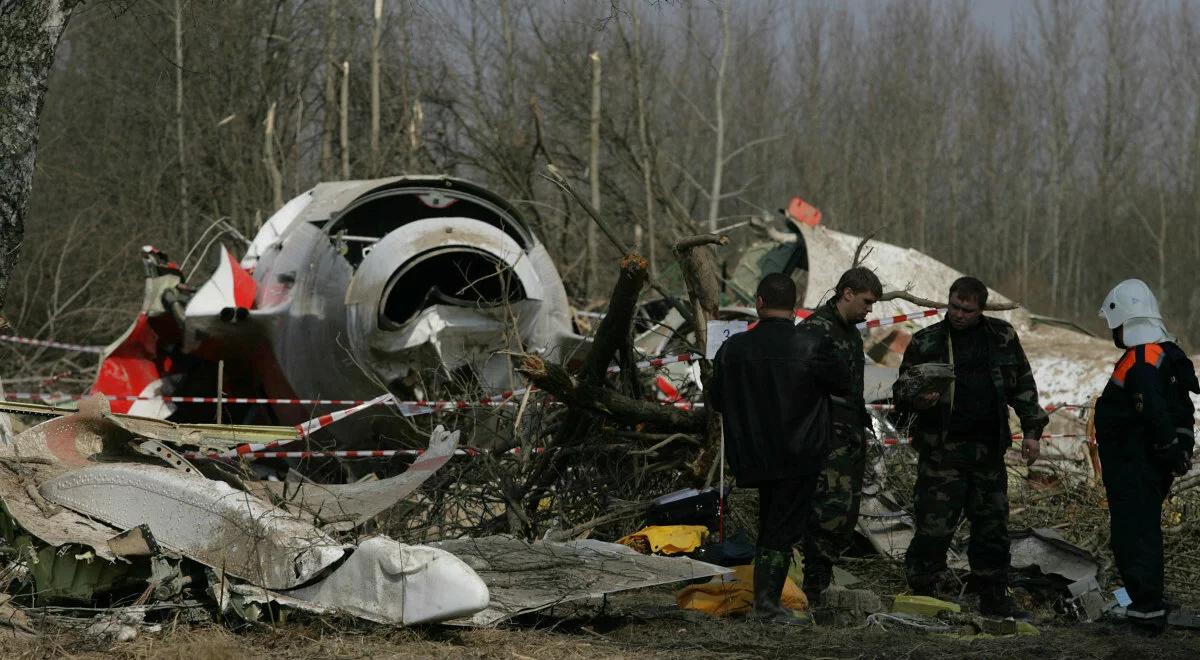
x=648, y=158
x=714, y=195
x=376, y=38
x=593, y=272
x=330, y=120
x=29, y=31
x=273, y=173
x=183, y=182
x=344, y=124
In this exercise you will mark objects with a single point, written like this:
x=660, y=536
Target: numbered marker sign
x=719, y=331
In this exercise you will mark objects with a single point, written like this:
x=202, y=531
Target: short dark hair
x=970, y=288
x=859, y=279
x=778, y=291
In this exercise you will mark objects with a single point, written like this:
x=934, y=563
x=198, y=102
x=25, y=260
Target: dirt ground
x=642, y=625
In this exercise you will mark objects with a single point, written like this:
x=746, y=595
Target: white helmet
x=1130, y=299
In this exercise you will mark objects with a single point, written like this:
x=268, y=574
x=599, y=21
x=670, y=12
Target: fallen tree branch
x=613, y=332
x=859, y=257
x=557, y=381
x=698, y=263
x=689, y=242
x=925, y=302
x=613, y=516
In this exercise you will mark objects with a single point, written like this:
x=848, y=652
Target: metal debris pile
x=107, y=511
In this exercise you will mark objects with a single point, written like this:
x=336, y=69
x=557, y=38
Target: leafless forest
x=1051, y=159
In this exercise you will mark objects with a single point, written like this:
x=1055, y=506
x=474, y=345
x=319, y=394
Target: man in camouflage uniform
x=961, y=436
x=839, y=488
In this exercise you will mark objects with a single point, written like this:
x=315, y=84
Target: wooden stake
x=345, y=123
x=220, y=387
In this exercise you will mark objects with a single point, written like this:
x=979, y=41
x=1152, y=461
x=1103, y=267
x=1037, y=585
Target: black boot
x=770, y=573
x=994, y=601
x=933, y=586
x=1148, y=620
x=817, y=577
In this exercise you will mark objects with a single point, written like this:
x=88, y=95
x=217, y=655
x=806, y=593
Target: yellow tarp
x=923, y=605
x=734, y=594
x=666, y=539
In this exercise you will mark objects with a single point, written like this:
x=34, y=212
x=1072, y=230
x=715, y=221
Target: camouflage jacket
x=1011, y=375
x=847, y=344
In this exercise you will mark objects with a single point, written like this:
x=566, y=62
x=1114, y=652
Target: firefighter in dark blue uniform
x=1145, y=432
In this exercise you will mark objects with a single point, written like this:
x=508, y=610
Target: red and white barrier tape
x=322, y=421
x=390, y=453
x=47, y=343
x=35, y=396
x=878, y=323
x=423, y=407
x=343, y=453
x=658, y=362
x=325, y=420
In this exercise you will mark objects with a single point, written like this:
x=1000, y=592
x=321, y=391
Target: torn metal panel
x=524, y=577
x=353, y=504
x=207, y=521
x=889, y=529
x=206, y=437
x=1050, y=553
x=239, y=596
x=135, y=542
x=73, y=573
x=58, y=528
x=167, y=455
x=70, y=440
x=219, y=437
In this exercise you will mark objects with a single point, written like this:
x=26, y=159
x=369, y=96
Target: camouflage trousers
x=943, y=495
x=835, y=506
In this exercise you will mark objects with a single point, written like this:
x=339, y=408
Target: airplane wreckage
x=384, y=294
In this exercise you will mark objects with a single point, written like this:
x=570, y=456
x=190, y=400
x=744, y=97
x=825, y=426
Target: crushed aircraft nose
x=388, y=582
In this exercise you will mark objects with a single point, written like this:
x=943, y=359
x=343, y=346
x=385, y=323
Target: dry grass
x=638, y=625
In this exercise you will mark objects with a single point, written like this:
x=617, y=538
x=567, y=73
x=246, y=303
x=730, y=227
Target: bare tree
x=718, y=164
x=30, y=31
x=594, y=174
x=185, y=223
x=331, y=70
x=376, y=38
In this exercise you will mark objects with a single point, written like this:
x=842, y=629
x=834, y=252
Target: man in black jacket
x=772, y=386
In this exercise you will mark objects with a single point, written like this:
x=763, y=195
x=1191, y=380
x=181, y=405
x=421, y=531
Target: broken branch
x=925, y=302
x=613, y=331
x=554, y=379
x=689, y=242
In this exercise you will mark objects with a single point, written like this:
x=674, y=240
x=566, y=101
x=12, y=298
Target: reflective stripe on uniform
x=1153, y=614
x=1151, y=354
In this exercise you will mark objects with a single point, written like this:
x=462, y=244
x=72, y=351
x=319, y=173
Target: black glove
x=1174, y=457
